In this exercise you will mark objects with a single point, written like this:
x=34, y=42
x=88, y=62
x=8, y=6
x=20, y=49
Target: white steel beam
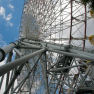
x=11, y=65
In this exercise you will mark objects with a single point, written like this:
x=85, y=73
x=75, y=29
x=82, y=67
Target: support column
x=85, y=29
x=17, y=72
x=71, y=23
x=7, y=76
x=45, y=73
x=8, y=60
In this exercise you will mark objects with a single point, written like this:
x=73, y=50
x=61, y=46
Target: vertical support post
x=7, y=76
x=12, y=73
x=70, y=37
x=28, y=68
x=84, y=30
x=45, y=73
x=8, y=60
x=13, y=79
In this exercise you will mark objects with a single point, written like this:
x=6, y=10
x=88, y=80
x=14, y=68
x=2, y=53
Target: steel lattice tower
x=52, y=54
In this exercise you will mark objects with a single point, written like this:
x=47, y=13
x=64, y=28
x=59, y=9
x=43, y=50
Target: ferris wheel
x=65, y=29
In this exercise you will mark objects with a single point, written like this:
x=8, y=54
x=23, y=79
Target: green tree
x=89, y=2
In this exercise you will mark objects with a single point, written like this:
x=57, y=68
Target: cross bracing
x=53, y=54
x=35, y=69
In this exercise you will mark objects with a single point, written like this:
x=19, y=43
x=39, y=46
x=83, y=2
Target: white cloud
x=9, y=17
x=2, y=11
x=11, y=6
x=9, y=24
x=2, y=43
x=16, y=38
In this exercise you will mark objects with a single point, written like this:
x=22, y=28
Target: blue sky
x=10, y=17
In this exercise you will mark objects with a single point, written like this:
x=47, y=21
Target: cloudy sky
x=10, y=16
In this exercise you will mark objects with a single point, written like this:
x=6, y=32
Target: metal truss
x=36, y=71
x=52, y=54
